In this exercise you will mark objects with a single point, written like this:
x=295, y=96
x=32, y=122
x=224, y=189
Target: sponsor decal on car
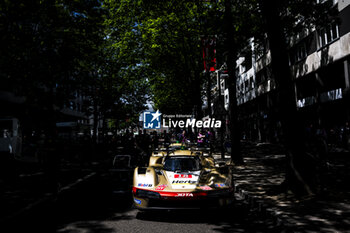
x=182, y=176
x=137, y=201
x=145, y=185
x=205, y=187
x=182, y=182
x=161, y=187
x=185, y=194
x=220, y=185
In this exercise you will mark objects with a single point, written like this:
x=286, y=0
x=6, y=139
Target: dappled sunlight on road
x=260, y=179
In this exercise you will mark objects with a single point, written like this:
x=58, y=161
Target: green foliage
x=162, y=40
x=51, y=50
x=48, y=46
x=120, y=52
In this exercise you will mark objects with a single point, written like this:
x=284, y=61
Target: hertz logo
x=184, y=182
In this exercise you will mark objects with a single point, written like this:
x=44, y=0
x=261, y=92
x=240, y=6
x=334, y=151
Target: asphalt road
x=93, y=208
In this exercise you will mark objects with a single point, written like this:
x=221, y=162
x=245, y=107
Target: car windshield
x=182, y=164
x=178, y=147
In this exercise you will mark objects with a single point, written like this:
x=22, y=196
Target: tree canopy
x=162, y=40
x=52, y=50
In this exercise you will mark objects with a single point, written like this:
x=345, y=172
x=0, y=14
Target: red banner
x=209, y=53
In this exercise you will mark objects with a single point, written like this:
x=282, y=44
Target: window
x=328, y=34
x=182, y=164
x=251, y=82
x=297, y=53
x=222, y=86
x=301, y=52
x=72, y=105
x=261, y=76
x=227, y=101
x=248, y=61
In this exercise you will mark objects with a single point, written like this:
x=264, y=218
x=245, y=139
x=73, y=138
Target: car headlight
x=147, y=194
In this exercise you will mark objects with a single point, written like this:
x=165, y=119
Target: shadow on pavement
x=80, y=209
x=234, y=219
x=263, y=173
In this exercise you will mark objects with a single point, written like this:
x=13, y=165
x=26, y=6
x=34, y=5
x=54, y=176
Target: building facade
x=319, y=62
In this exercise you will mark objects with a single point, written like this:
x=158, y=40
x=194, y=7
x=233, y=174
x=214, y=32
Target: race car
x=182, y=179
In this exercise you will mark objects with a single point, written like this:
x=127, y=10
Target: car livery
x=182, y=179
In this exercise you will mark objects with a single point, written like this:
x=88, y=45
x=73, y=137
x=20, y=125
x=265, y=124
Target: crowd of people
x=143, y=143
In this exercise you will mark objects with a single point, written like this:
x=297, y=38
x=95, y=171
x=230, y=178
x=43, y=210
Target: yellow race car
x=182, y=179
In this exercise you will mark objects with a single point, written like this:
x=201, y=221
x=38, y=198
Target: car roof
x=182, y=153
x=175, y=144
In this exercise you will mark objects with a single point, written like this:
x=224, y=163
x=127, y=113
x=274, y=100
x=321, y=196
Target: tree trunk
x=197, y=95
x=208, y=78
x=299, y=171
x=222, y=118
x=95, y=124
x=236, y=156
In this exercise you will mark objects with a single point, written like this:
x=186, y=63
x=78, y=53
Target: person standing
x=200, y=139
x=155, y=140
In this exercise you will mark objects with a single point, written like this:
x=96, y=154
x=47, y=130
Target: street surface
x=93, y=208
x=98, y=199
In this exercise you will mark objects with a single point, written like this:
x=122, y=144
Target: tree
x=163, y=39
x=283, y=19
x=238, y=24
x=47, y=50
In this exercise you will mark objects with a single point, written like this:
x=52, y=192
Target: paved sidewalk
x=258, y=183
x=31, y=190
